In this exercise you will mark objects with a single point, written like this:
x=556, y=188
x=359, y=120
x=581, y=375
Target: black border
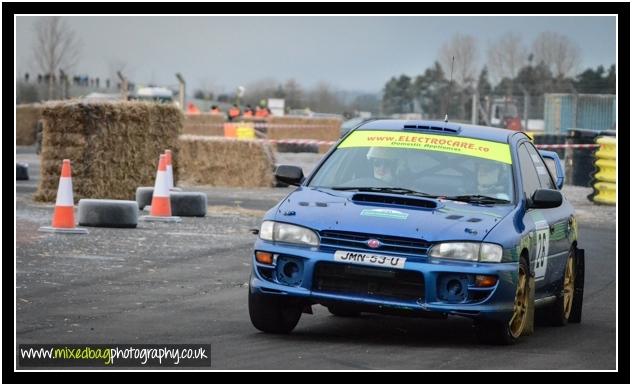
x=622, y=376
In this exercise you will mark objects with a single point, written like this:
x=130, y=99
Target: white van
x=158, y=94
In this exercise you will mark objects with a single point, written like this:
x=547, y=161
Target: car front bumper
x=491, y=302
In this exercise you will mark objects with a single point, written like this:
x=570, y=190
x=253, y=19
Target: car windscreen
x=439, y=165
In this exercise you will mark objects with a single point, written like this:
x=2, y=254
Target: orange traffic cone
x=161, y=201
x=64, y=215
x=170, y=170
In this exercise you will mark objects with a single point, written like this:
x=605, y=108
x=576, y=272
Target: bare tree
x=260, y=89
x=293, y=94
x=558, y=53
x=465, y=52
x=506, y=57
x=56, y=48
x=322, y=98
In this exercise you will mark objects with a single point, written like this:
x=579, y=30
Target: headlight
x=491, y=253
x=484, y=252
x=288, y=233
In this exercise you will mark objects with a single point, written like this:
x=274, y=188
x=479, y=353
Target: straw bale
x=113, y=146
x=204, y=129
x=26, y=117
x=324, y=129
x=218, y=161
x=203, y=119
x=203, y=124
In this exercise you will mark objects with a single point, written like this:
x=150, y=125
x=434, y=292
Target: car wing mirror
x=292, y=175
x=545, y=198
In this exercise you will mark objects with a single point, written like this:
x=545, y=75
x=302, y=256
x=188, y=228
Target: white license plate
x=369, y=259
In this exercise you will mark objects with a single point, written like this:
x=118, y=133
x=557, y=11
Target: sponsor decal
x=384, y=213
x=449, y=144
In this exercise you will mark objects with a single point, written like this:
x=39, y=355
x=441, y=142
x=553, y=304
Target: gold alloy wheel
x=569, y=285
x=519, y=318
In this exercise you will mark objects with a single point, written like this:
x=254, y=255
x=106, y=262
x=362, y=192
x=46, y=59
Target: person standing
x=234, y=112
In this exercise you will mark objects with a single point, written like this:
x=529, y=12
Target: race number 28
x=541, y=251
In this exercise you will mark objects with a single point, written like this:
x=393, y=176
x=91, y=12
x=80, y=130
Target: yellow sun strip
x=449, y=144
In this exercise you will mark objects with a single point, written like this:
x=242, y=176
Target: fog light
x=289, y=270
x=264, y=257
x=486, y=281
x=453, y=287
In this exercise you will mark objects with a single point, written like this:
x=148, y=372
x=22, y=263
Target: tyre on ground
x=273, y=314
x=510, y=331
x=108, y=213
x=568, y=302
x=21, y=171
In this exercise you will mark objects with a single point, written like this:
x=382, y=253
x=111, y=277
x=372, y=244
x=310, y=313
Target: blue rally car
x=423, y=218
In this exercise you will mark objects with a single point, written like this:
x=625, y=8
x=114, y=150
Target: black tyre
x=272, y=314
x=509, y=332
x=343, y=311
x=296, y=148
x=21, y=172
x=560, y=312
x=578, y=299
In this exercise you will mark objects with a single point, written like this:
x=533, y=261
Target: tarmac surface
x=188, y=283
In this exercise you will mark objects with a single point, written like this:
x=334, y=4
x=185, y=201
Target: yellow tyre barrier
x=607, y=148
x=605, y=176
x=606, y=193
x=607, y=170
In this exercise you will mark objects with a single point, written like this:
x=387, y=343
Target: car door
x=549, y=228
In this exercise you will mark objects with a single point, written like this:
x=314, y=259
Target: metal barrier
x=604, y=180
x=562, y=112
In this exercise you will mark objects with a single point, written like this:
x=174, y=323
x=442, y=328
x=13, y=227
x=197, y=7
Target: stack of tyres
x=579, y=162
x=296, y=148
x=604, y=180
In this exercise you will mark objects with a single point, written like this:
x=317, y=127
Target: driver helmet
x=384, y=162
x=491, y=180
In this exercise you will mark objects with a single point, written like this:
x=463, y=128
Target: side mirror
x=292, y=175
x=554, y=164
x=546, y=198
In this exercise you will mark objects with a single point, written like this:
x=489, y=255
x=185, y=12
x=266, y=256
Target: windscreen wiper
x=477, y=198
x=385, y=190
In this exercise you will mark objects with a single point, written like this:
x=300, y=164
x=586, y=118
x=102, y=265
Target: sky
x=350, y=53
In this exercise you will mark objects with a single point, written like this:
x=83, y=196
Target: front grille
x=350, y=279
x=332, y=240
